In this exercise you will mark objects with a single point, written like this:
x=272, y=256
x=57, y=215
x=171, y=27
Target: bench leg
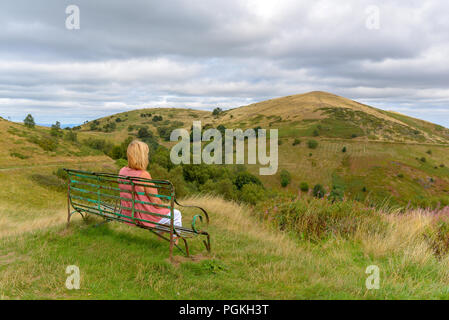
x=186, y=246
x=207, y=243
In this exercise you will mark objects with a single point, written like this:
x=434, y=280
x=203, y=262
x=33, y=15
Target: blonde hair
x=138, y=155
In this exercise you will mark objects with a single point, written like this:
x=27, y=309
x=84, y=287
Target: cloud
x=201, y=54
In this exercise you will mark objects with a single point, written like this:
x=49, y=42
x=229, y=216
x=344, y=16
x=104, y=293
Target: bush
x=337, y=193
x=312, y=144
x=156, y=118
x=319, y=219
x=144, y=133
x=423, y=159
x=18, y=155
x=319, y=191
x=343, y=150
x=252, y=193
x=244, y=178
x=304, y=187
x=296, y=142
x=316, y=133
x=226, y=188
x=72, y=136
x=285, y=178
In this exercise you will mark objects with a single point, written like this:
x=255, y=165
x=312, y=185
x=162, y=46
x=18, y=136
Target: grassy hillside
x=22, y=146
x=370, y=154
x=250, y=259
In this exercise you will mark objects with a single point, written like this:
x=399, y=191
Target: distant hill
x=367, y=152
x=21, y=146
x=312, y=114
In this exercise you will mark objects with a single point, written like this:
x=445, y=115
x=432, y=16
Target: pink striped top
x=128, y=172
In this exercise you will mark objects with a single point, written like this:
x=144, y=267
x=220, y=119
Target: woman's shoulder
x=145, y=174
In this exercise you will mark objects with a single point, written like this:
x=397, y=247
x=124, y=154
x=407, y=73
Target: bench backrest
x=99, y=193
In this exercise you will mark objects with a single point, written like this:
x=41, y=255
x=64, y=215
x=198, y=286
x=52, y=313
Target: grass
x=250, y=260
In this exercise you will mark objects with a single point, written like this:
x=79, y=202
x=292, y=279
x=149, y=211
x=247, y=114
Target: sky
x=196, y=54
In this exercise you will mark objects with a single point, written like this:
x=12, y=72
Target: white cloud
x=227, y=53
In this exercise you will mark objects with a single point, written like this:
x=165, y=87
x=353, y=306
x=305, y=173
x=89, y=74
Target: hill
x=249, y=260
x=370, y=154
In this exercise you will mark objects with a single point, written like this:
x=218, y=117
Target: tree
x=285, y=178
x=29, y=121
x=56, y=130
x=217, y=111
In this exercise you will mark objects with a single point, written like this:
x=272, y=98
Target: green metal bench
x=99, y=194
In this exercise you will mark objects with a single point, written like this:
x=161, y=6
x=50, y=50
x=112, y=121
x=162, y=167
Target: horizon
x=74, y=124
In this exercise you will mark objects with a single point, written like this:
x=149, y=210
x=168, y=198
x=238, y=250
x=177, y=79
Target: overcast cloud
x=204, y=54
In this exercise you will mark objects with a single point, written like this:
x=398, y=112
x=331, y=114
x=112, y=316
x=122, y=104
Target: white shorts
x=177, y=220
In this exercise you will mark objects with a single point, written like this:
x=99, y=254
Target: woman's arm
x=150, y=190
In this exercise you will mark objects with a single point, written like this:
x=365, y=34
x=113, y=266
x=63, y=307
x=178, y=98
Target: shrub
x=423, y=159
x=29, y=121
x=226, y=188
x=252, y=193
x=429, y=152
x=144, y=133
x=312, y=144
x=441, y=165
x=304, y=187
x=285, y=178
x=296, y=142
x=337, y=193
x=70, y=135
x=18, y=155
x=318, y=219
x=316, y=133
x=319, y=191
x=156, y=118
x=244, y=178
x=343, y=150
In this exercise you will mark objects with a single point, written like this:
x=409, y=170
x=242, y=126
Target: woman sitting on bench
x=137, y=165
